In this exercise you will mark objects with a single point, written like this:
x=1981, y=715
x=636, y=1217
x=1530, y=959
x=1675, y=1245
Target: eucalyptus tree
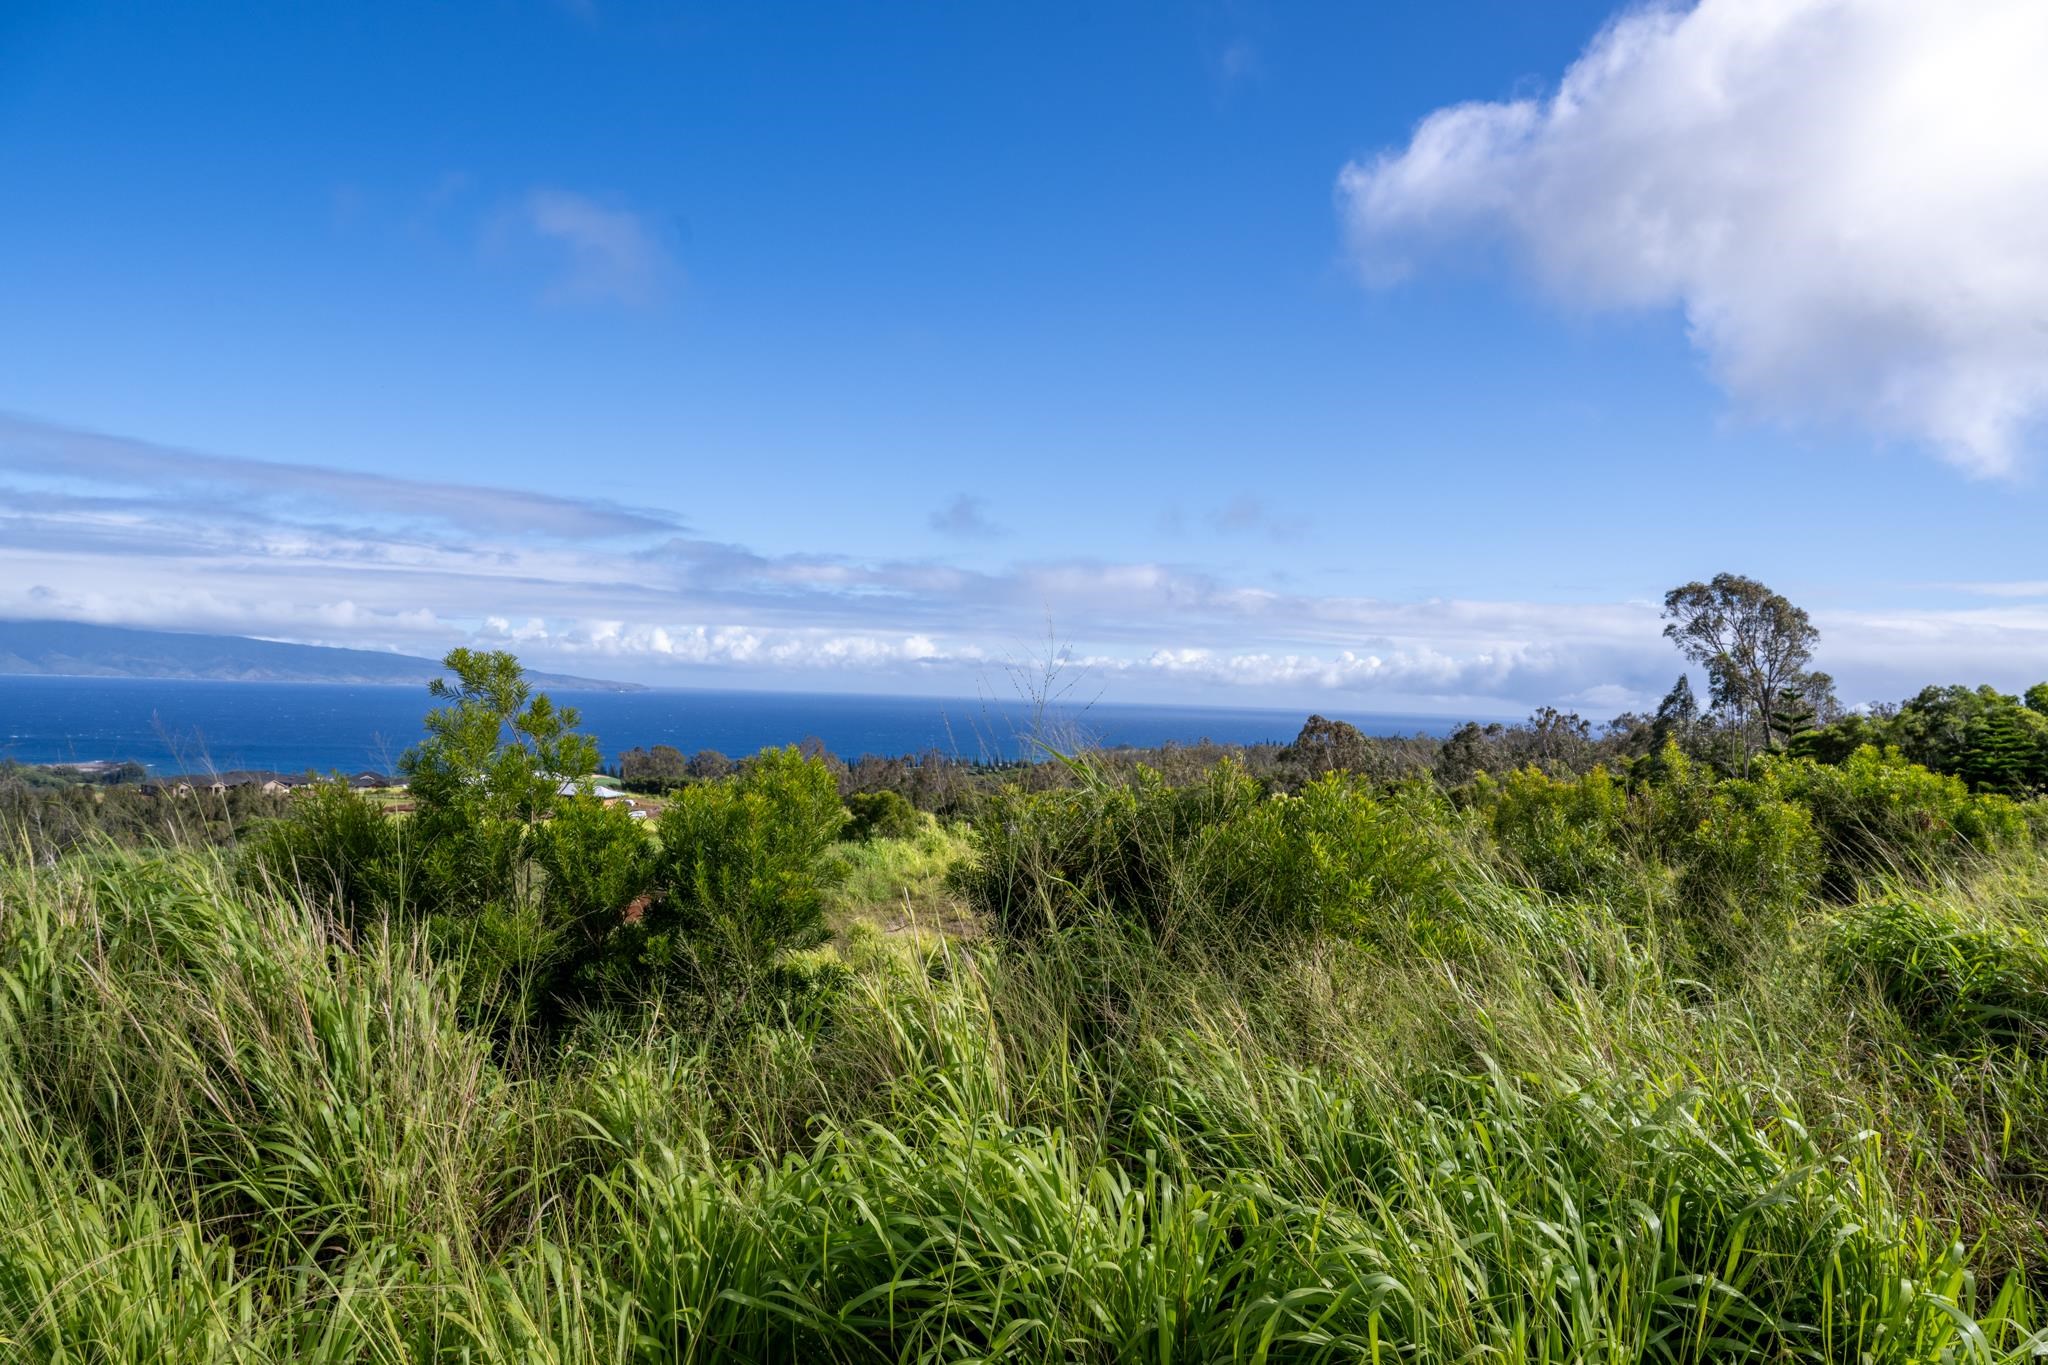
x=1755, y=647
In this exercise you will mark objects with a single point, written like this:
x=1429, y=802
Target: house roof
x=574, y=785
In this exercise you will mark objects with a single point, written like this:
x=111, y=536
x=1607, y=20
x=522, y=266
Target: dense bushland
x=1650, y=1062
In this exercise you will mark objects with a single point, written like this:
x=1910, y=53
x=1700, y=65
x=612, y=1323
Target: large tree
x=1754, y=644
x=1325, y=746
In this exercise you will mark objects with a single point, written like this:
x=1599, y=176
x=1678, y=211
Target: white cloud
x=125, y=480
x=596, y=596
x=611, y=255
x=1845, y=196
x=2037, y=587
x=801, y=649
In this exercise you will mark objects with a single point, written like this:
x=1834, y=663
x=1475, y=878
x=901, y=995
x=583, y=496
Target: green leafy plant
x=881, y=815
x=1218, y=857
x=340, y=848
x=744, y=876
x=1876, y=812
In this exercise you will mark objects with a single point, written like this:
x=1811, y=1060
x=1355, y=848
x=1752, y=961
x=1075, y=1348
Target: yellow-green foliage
x=1876, y=812
x=888, y=876
x=1218, y=856
x=1567, y=835
x=1751, y=848
x=1724, y=855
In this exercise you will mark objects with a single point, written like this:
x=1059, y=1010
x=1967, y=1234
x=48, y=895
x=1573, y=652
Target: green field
x=1566, y=1069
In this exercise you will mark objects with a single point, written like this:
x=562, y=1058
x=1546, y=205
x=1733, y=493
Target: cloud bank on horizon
x=122, y=532
x=1845, y=197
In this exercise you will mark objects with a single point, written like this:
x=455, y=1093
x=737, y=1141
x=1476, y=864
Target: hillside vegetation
x=1654, y=1062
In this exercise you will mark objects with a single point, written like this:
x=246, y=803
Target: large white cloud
x=1848, y=198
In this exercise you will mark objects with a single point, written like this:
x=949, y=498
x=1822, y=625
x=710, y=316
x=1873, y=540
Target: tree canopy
x=1755, y=647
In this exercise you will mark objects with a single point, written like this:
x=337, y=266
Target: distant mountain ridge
x=75, y=649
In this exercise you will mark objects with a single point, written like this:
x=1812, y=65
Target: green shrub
x=1219, y=857
x=468, y=861
x=1348, y=861
x=881, y=815
x=1747, y=864
x=743, y=873
x=1043, y=860
x=1878, y=813
x=339, y=847
x=1567, y=836
x=599, y=865
x=1728, y=856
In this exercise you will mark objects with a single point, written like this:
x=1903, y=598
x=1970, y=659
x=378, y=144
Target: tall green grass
x=1503, y=1126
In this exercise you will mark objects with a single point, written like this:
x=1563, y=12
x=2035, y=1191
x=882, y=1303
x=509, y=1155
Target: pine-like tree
x=1792, y=715
x=1678, y=717
x=2000, y=754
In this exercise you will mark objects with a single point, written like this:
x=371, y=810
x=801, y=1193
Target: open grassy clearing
x=901, y=886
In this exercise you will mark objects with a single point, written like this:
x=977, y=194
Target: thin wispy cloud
x=1845, y=198
x=966, y=517
x=127, y=533
x=2033, y=587
x=1241, y=514
x=605, y=254
x=1238, y=63
x=1248, y=513
x=1233, y=37
x=147, y=474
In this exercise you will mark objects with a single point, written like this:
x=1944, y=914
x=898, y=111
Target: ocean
x=171, y=726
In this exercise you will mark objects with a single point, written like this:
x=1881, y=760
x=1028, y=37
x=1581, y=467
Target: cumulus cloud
x=1844, y=196
x=609, y=254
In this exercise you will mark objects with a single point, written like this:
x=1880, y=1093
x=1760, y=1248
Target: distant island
x=73, y=649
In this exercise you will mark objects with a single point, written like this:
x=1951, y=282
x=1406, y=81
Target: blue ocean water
x=290, y=727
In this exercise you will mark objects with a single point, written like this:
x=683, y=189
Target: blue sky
x=1377, y=357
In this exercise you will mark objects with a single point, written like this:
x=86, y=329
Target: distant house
x=369, y=781
x=222, y=783
x=275, y=786
x=611, y=796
